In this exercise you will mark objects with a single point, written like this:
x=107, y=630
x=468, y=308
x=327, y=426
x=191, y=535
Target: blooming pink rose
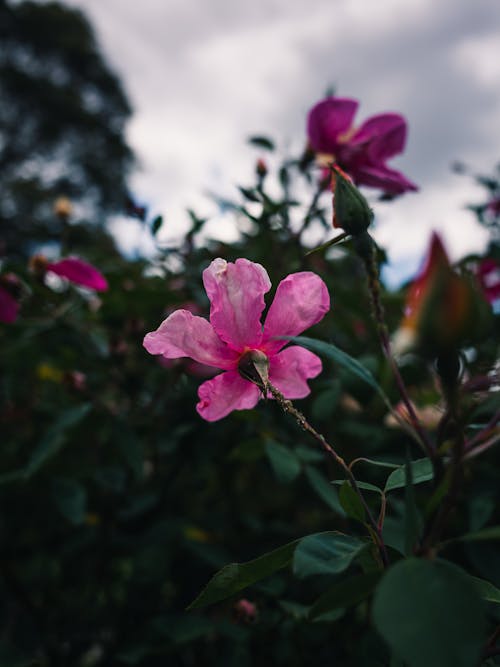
x=362, y=151
x=79, y=272
x=236, y=293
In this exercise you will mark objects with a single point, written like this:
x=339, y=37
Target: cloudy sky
x=203, y=75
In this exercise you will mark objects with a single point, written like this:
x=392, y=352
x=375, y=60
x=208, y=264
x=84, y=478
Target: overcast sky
x=203, y=75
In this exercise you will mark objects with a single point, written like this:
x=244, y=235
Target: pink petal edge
x=290, y=369
x=301, y=301
x=327, y=120
x=183, y=334
x=80, y=273
x=236, y=293
x=223, y=394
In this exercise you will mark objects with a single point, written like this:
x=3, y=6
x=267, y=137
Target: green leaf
x=491, y=533
x=262, y=142
x=324, y=489
x=351, y=502
x=71, y=499
x=340, y=357
x=345, y=593
x=325, y=553
x=156, y=224
x=237, y=576
x=284, y=462
x=486, y=590
x=249, y=194
x=131, y=449
x=421, y=471
x=430, y=614
x=366, y=486
x=411, y=518
x=55, y=438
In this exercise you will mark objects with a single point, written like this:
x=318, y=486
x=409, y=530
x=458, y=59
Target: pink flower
x=488, y=274
x=493, y=207
x=78, y=272
x=362, y=152
x=236, y=293
x=10, y=292
x=8, y=306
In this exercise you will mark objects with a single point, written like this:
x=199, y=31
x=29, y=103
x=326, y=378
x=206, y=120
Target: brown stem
x=438, y=523
x=484, y=433
x=379, y=316
x=289, y=408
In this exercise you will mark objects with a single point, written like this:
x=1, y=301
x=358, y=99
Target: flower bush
x=357, y=526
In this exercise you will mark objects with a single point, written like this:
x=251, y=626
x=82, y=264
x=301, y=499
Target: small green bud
x=350, y=209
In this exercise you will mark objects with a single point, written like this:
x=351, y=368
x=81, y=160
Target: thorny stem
x=289, y=408
x=379, y=315
x=438, y=523
x=482, y=435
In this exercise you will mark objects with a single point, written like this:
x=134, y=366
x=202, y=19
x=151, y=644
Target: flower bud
x=63, y=208
x=443, y=310
x=350, y=209
x=261, y=168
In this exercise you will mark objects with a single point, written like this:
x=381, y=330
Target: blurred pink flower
x=76, y=271
x=493, y=206
x=488, y=274
x=245, y=610
x=361, y=151
x=236, y=293
x=8, y=306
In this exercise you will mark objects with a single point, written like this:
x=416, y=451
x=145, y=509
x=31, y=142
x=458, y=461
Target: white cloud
x=202, y=76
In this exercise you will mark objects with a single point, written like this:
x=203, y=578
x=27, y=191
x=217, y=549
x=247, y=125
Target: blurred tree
x=62, y=115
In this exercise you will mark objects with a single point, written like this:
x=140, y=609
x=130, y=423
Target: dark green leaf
x=412, y=527
x=237, y=576
x=71, y=499
x=351, y=502
x=131, y=449
x=486, y=590
x=55, y=438
x=340, y=357
x=345, y=593
x=262, y=142
x=249, y=194
x=430, y=614
x=324, y=489
x=421, y=471
x=325, y=553
x=284, y=462
x=156, y=224
x=491, y=533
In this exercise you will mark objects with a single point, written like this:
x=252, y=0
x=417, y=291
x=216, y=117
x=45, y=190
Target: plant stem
x=289, y=408
x=438, y=523
x=383, y=334
x=484, y=433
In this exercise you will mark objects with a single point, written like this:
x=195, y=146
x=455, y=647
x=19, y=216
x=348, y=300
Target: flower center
x=254, y=367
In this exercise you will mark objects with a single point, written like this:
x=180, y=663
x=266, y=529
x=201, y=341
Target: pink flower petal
x=290, y=369
x=379, y=176
x=224, y=393
x=489, y=279
x=384, y=134
x=183, y=334
x=327, y=120
x=236, y=292
x=301, y=300
x=8, y=307
x=80, y=273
